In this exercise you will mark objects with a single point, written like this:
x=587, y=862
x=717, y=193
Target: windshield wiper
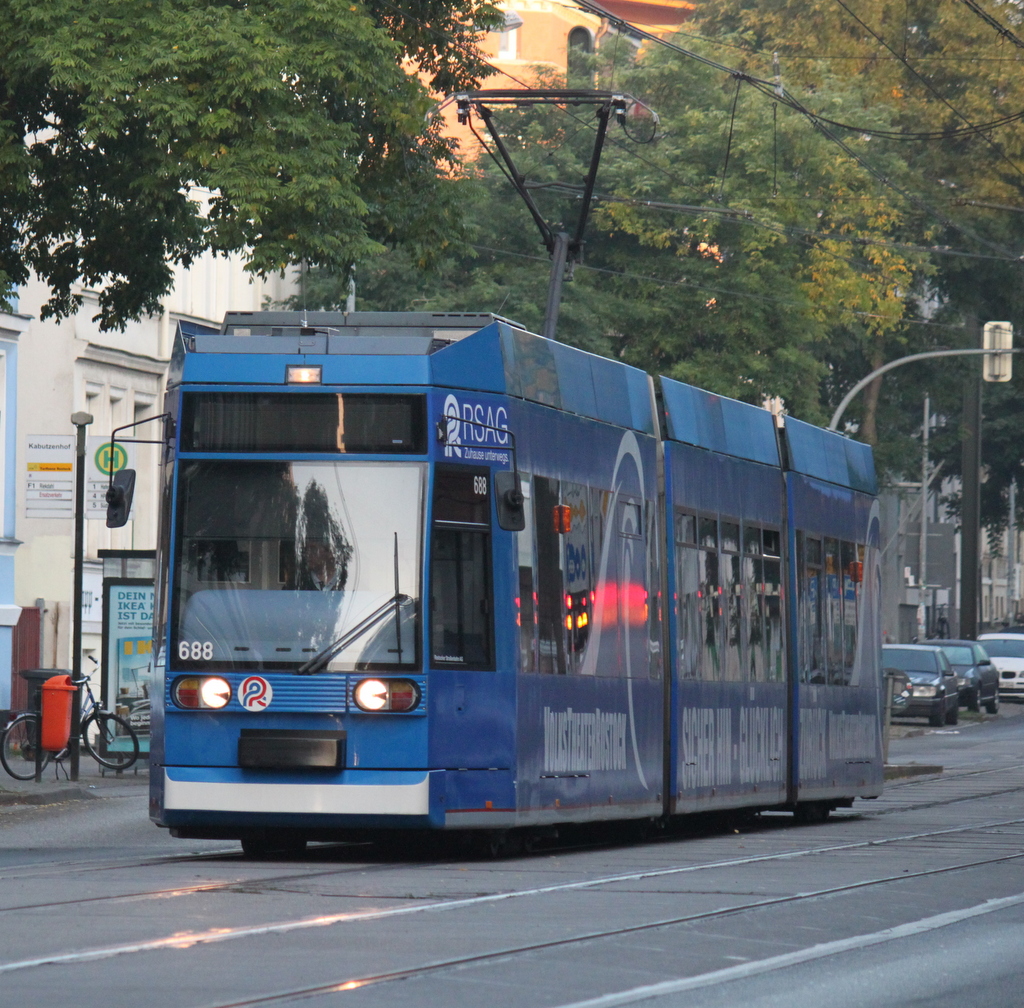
x=327, y=654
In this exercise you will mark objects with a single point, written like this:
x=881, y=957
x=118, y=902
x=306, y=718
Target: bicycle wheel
x=18, y=747
x=110, y=740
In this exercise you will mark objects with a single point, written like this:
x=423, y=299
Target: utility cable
x=771, y=89
x=1002, y=29
x=612, y=19
x=927, y=84
x=703, y=287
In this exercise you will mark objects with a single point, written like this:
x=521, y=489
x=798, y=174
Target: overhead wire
x=1000, y=28
x=738, y=215
x=661, y=281
x=602, y=12
x=745, y=217
x=772, y=89
x=927, y=84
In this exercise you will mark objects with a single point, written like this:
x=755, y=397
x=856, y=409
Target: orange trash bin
x=56, y=712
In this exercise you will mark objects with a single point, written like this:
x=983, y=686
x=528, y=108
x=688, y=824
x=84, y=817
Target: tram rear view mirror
x=119, y=498
x=509, y=500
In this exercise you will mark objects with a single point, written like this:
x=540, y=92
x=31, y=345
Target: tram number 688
x=480, y=486
x=195, y=650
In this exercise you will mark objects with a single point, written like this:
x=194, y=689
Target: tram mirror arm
x=121, y=482
x=364, y=626
x=508, y=492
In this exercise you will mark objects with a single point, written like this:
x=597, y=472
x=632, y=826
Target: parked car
x=976, y=676
x=933, y=690
x=900, y=686
x=1007, y=653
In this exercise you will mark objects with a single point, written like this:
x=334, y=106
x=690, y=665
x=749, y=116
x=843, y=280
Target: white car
x=1007, y=653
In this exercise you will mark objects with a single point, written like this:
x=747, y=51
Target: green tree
x=727, y=283
x=136, y=133
x=939, y=72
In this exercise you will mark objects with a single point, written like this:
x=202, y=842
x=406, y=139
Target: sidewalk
x=914, y=727
x=91, y=783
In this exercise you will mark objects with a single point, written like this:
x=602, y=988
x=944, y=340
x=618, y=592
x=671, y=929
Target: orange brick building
x=543, y=33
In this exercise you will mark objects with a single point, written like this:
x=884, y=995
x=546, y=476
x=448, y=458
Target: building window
x=579, y=47
x=508, y=44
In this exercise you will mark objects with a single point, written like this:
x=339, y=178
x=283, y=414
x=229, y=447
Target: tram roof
x=483, y=352
x=826, y=455
x=696, y=417
x=476, y=352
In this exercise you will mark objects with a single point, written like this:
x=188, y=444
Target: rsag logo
x=472, y=428
x=255, y=693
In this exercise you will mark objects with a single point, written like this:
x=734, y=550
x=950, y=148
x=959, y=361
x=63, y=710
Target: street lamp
x=80, y=422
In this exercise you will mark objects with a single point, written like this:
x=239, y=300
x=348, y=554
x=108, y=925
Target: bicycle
x=101, y=730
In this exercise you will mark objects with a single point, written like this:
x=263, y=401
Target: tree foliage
x=757, y=251
x=938, y=69
x=136, y=133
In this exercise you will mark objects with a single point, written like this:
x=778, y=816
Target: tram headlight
x=215, y=693
x=201, y=692
x=371, y=695
x=397, y=695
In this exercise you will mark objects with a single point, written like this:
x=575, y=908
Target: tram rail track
x=172, y=891
x=49, y=867
x=218, y=935
x=355, y=983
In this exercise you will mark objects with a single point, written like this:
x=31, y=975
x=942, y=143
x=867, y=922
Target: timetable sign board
x=50, y=476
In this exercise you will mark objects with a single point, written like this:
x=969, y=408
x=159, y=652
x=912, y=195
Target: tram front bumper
x=232, y=798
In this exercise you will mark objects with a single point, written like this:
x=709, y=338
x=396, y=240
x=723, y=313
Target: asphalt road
x=914, y=899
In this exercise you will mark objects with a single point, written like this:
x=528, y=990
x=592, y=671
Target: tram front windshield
x=278, y=562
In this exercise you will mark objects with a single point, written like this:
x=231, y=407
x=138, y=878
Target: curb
x=894, y=771
x=45, y=797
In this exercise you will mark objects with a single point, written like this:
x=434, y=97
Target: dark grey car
x=977, y=677
x=933, y=688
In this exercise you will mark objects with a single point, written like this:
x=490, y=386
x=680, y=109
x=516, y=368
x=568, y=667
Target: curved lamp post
x=848, y=398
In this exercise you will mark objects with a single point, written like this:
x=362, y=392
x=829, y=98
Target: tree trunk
x=869, y=428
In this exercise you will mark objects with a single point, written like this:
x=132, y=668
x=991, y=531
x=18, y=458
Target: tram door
x=461, y=625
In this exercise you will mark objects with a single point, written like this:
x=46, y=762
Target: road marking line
x=794, y=958
x=188, y=939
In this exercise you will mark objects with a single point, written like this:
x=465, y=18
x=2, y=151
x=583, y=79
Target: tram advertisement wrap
x=476, y=431
x=128, y=651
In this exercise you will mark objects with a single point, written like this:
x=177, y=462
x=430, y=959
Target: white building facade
x=68, y=366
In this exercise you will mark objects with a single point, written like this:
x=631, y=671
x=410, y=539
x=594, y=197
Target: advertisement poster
x=128, y=651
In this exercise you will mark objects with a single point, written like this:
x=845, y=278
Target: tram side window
x=829, y=587
x=732, y=603
x=527, y=599
x=460, y=576
x=833, y=611
x=578, y=566
x=689, y=635
x=551, y=656
x=771, y=545
x=710, y=595
x=813, y=668
x=753, y=585
x=850, y=586
x=460, y=602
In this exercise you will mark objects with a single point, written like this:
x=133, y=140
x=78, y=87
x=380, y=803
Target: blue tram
x=431, y=571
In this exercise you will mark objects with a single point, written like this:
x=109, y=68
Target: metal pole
x=1011, y=556
x=888, y=691
x=970, y=518
x=922, y=552
x=81, y=421
x=558, y=257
